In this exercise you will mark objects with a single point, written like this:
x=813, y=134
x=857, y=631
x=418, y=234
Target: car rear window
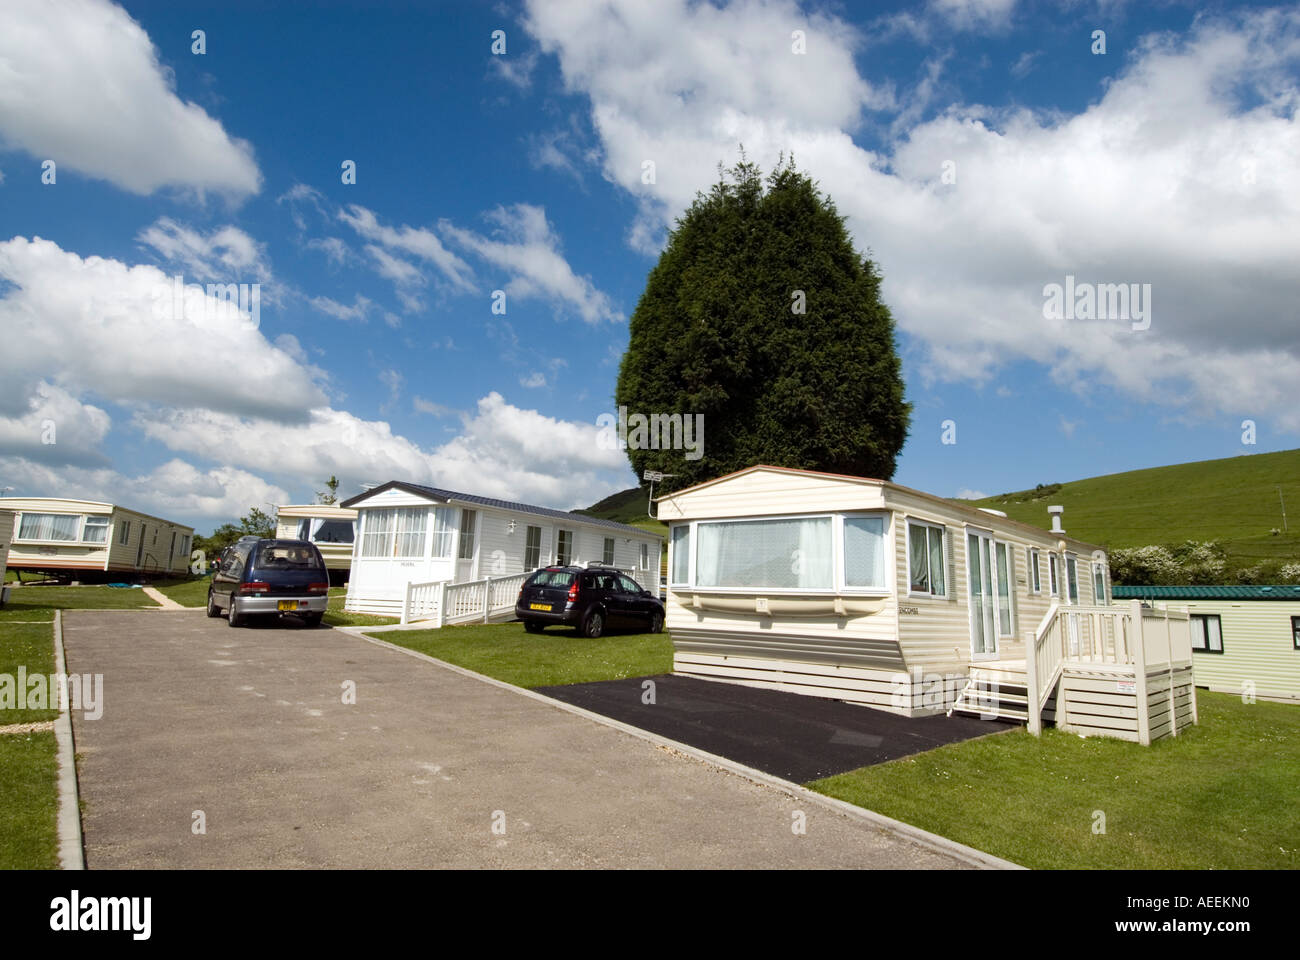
x=287, y=556
x=551, y=578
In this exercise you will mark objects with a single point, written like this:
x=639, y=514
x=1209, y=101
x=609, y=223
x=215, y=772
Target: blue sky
x=1171, y=159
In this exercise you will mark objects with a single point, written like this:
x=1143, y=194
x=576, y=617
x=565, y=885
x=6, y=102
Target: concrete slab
x=250, y=727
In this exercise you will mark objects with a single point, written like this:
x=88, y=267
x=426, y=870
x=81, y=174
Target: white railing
x=445, y=602
x=1123, y=634
x=423, y=601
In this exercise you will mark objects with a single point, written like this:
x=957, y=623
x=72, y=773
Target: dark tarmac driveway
x=788, y=735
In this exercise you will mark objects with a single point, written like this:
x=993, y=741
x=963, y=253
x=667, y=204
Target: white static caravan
x=333, y=530
x=72, y=537
x=869, y=592
x=422, y=553
x=1245, y=638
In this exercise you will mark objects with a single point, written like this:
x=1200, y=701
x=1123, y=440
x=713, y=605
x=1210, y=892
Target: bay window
x=825, y=553
x=48, y=526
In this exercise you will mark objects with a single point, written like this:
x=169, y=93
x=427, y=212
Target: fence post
x=406, y=605
x=1140, y=673
x=441, y=618
x=487, y=598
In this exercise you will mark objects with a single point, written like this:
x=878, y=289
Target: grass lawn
x=73, y=598
x=29, y=645
x=188, y=593
x=505, y=651
x=29, y=802
x=1220, y=796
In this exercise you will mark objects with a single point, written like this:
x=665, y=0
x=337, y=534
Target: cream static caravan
x=870, y=592
x=1245, y=638
x=6, y=534
x=333, y=529
x=88, y=539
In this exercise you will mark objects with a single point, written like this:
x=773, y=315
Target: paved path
x=249, y=727
x=160, y=598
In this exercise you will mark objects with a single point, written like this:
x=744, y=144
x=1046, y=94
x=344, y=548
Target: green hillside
x=1233, y=501
x=627, y=506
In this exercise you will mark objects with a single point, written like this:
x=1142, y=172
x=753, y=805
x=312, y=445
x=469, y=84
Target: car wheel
x=532, y=626
x=233, y=618
x=656, y=622
x=313, y=619
x=594, y=624
x=213, y=609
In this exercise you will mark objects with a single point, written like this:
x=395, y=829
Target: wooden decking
x=1118, y=671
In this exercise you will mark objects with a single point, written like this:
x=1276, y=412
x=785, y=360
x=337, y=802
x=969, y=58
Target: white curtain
x=864, y=551
x=49, y=526
x=410, y=532
x=377, y=530
x=444, y=530
x=681, y=553
x=779, y=554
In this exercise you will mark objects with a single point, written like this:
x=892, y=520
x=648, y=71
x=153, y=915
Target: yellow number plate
x=288, y=604
x=539, y=606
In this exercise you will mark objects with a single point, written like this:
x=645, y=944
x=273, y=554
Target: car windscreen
x=287, y=556
x=550, y=578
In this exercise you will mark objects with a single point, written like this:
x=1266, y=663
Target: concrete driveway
x=248, y=730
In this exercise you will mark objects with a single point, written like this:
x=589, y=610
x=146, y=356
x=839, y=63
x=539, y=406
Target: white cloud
x=81, y=83
x=226, y=253
x=1184, y=174
x=501, y=450
x=336, y=251
x=175, y=490
x=973, y=14
x=530, y=253
x=57, y=428
x=534, y=379
x=420, y=243
x=967, y=494
x=93, y=325
x=515, y=69
x=357, y=313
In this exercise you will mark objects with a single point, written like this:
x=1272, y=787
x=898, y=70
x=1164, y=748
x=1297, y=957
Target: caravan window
x=49, y=526
x=1099, y=583
x=95, y=530
x=864, y=552
x=1035, y=576
x=681, y=554
x=1207, y=632
x=925, y=548
x=533, y=548
x=778, y=554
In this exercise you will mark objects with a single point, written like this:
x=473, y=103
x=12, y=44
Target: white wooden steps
x=998, y=690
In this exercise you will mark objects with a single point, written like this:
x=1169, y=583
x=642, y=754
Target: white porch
x=1119, y=670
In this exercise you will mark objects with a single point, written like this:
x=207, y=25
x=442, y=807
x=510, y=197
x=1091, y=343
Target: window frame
x=24, y=514
x=1034, y=560
x=124, y=534
x=1010, y=553
x=1295, y=633
x=1054, y=574
x=1206, y=633
x=537, y=558
x=909, y=522
x=466, y=534
x=607, y=552
x=674, y=547
x=560, y=535
x=837, y=586
x=1099, y=574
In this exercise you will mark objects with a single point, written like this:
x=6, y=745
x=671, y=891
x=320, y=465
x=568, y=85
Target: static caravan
x=422, y=553
x=873, y=593
x=333, y=530
x=1244, y=638
x=6, y=534
x=88, y=539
